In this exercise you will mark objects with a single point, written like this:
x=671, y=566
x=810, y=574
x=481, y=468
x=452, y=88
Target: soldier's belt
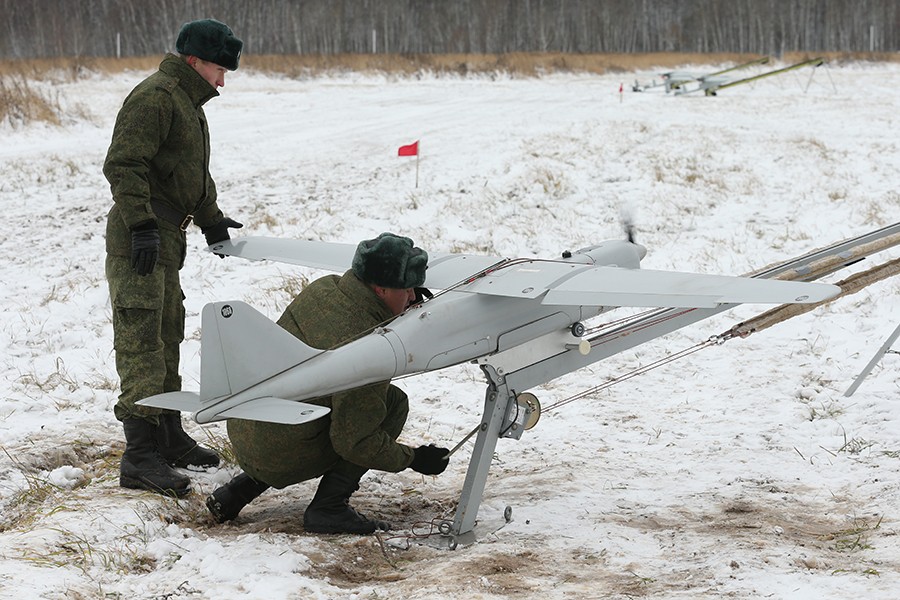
x=170, y=215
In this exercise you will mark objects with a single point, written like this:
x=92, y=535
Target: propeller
x=626, y=218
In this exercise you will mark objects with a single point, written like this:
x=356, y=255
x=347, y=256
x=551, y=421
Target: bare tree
x=47, y=28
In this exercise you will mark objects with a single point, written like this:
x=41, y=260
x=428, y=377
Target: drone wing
x=444, y=270
x=560, y=282
x=571, y=284
x=611, y=286
x=329, y=256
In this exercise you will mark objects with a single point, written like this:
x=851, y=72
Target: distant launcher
x=675, y=80
x=710, y=86
x=685, y=82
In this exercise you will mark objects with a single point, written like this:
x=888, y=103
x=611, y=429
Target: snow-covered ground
x=740, y=471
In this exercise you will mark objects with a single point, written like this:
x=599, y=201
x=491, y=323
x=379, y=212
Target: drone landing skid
x=487, y=525
x=506, y=414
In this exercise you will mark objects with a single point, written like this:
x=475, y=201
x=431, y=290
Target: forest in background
x=123, y=28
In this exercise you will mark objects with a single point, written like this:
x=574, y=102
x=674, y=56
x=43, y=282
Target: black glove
x=422, y=294
x=144, y=247
x=430, y=460
x=219, y=232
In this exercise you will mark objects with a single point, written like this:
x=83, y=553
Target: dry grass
x=21, y=102
x=73, y=68
x=520, y=63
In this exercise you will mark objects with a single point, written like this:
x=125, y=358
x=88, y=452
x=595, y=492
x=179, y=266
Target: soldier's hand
x=430, y=460
x=422, y=294
x=144, y=247
x=219, y=232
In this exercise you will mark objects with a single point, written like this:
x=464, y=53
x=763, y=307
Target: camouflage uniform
x=158, y=157
x=360, y=432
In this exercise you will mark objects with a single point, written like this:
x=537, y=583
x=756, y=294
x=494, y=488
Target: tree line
x=124, y=28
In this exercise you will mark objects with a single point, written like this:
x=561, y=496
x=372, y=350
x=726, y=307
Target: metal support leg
x=496, y=401
x=885, y=348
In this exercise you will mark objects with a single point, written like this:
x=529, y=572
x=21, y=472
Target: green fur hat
x=210, y=40
x=390, y=261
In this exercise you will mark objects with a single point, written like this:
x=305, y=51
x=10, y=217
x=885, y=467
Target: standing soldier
x=158, y=170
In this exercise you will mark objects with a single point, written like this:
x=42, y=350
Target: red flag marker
x=409, y=150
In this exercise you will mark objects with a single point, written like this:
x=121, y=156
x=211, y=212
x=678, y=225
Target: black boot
x=178, y=448
x=226, y=502
x=330, y=510
x=143, y=467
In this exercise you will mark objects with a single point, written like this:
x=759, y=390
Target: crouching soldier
x=361, y=431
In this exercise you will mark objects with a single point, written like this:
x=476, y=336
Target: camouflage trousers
x=148, y=328
x=282, y=455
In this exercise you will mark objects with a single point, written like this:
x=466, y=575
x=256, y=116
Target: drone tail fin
x=242, y=347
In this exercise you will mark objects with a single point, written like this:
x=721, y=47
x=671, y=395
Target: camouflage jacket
x=328, y=313
x=160, y=151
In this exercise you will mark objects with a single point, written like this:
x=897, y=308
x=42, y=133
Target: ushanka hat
x=390, y=261
x=212, y=41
